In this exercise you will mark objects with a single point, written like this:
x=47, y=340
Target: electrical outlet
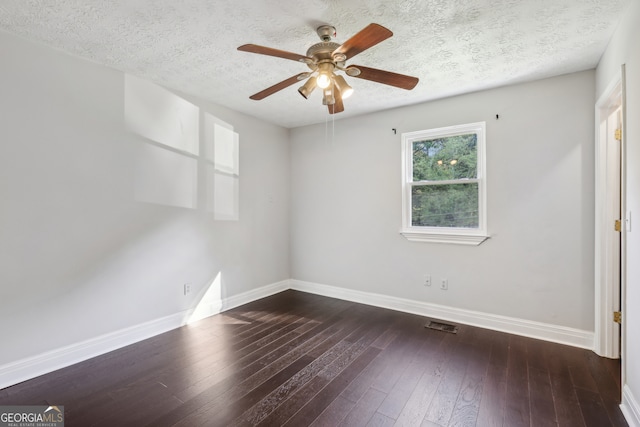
x=187, y=289
x=444, y=284
x=427, y=280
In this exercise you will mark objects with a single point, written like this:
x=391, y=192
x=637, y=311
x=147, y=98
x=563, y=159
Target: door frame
x=609, y=338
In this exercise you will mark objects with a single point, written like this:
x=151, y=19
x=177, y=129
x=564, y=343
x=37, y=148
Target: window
x=444, y=186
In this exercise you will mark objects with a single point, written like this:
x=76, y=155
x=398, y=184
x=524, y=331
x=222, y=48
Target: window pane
x=446, y=158
x=450, y=205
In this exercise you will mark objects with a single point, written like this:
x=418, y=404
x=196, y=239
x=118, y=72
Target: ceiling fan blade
x=386, y=77
x=370, y=36
x=337, y=106
x=254, y=48
x=278, y=86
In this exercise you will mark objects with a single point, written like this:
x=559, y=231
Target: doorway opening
x=610, y=223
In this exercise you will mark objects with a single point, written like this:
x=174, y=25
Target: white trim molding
x=609, y=253
x=433, y=237
x=31, y=367
x=453, y=235
x=630, y=407
x=523, y=327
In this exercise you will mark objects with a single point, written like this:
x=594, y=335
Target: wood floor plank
x=323, y=357
x=608, y=387
x=593, y=409
x=313, y=388
x=396, y=363
x=379, y=420
x=334, y=413
x=581, y=374
x=517, y=411
x=467, y=406
x=308, y=413
x=614, y=369
x=183, y=384
x=233, y=388
x=223, y=411
x=494, y=390
x=416, y=408
x=565, y=401
x=359, y=386
x=443, y=403
x=293, y=403
x=364, y=410
x=543, y=412
x=396, y=399
x=342, y=367
x=255, y=371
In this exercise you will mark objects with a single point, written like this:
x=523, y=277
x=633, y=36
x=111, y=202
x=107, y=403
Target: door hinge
x=618, y=135
x=617, y=317
x=618, y=225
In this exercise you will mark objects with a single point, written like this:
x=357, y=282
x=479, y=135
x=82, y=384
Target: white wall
x=79, y=255
x=538, y=263
x=625, y=49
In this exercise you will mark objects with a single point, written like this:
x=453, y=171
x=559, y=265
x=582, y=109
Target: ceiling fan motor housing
x=326, y=32
x=322, y=51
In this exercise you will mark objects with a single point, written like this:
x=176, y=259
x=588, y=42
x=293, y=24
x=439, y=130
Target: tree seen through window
x=441, y=194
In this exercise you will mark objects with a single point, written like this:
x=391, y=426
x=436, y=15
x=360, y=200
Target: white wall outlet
x=444, y=284
x=427, y=280
x=187, y=289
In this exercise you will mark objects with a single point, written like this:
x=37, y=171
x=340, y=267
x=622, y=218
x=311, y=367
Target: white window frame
x=455, y=235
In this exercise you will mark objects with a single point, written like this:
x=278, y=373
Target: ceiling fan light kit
x=325, y=72
x=327, y=57
x=306, y=89
x=342, y=85
x=328, y=97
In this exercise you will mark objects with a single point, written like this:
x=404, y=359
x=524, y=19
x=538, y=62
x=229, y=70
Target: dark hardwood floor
x=297, y=359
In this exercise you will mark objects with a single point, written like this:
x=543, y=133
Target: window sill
x=444, y=237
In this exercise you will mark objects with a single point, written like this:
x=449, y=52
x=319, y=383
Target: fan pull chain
x=326, y=129
x=333, y=126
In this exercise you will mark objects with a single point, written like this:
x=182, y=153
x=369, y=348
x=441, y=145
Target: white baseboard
x=31, y=367
x=630, y=407
x=528, y=328
x=255, y=294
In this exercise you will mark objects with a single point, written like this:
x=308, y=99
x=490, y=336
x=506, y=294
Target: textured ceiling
x=453, y=46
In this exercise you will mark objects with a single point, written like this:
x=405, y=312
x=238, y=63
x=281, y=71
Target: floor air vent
x=442, y=327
